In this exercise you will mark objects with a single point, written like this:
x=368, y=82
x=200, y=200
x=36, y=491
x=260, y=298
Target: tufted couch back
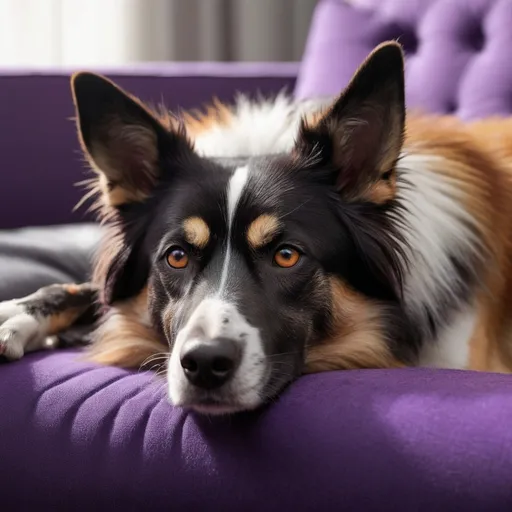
x=458, y=51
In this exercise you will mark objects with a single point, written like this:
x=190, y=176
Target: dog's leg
x=29, y=323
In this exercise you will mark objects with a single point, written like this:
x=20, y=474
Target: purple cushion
x=107, y=439
x=458, y=51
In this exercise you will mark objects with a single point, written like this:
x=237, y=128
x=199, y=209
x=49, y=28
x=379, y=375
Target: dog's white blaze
x=437, y=227
x=451, y=347
x=236, y=187
x=206, y=323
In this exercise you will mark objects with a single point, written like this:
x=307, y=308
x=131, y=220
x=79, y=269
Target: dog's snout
x=210, y=364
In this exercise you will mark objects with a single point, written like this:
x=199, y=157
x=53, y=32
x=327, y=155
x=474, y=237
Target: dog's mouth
x=224, y=402
x=212, y=405
x=216, y=407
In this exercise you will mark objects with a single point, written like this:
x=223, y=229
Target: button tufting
x=460, y=49
x=475, y=37
x=451, y=107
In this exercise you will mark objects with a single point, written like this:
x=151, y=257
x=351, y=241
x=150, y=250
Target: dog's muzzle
x=217, y=363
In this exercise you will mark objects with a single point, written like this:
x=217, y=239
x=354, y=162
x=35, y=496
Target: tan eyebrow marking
x=262, y=230
x=197, y=232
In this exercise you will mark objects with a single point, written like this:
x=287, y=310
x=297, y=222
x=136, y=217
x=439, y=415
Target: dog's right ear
x=121, y=138
x=126, y=144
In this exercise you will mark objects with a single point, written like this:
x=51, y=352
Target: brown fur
x=216, y=113
x=197, y=232
x=356, y=340
x=63, y=319
x=111, y=245
x=262, y=230
x=478, y=159
x=125, y=338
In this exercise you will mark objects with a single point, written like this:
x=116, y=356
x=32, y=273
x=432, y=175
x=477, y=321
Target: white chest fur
x=451, y=348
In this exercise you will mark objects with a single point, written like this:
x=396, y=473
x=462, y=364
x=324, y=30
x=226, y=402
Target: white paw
x=19, y=331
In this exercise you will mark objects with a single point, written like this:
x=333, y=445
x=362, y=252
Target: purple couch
x=74, y=436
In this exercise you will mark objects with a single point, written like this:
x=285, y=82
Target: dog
x=257, y=242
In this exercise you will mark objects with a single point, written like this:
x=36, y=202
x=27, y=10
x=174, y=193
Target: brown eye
x=286, y=257
x=177, y=258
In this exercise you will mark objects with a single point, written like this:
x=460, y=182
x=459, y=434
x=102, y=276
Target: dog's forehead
x=267, y=180
x=228, y=194
x=240, y=185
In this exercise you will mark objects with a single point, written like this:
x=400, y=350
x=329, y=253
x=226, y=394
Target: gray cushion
x=34, y=257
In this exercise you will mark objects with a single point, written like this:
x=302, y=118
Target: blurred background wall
x=116, y=32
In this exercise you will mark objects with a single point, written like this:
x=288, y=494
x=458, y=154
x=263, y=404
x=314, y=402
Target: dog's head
x=255, y=267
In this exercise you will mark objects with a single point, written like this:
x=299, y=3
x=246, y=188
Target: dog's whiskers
x=154, y=358
x=158, y=366
x=280, y=354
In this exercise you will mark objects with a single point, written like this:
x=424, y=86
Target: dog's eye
x=286, y=257
x=177, y=257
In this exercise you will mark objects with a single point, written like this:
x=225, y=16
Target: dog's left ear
x=361, y=133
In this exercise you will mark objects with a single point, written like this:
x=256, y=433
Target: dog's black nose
x=210, y=364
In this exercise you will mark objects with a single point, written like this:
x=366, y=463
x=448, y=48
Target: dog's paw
x=19, y=330
x=34, y=322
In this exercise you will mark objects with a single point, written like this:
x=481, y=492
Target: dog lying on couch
x=255, y=242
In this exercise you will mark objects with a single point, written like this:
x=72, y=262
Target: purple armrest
x=38, y=146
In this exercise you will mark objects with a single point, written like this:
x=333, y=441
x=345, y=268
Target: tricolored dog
x=255, y=242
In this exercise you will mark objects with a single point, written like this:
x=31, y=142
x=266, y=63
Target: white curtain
x=113, y=32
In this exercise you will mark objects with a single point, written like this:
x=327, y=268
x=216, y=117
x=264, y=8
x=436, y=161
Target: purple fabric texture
x=41, y=161
x=458, y=51
x=79, y=437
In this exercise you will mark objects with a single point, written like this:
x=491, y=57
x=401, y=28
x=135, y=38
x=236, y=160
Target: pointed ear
x=361, y=133
x=120, y=137
x=125, y=143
